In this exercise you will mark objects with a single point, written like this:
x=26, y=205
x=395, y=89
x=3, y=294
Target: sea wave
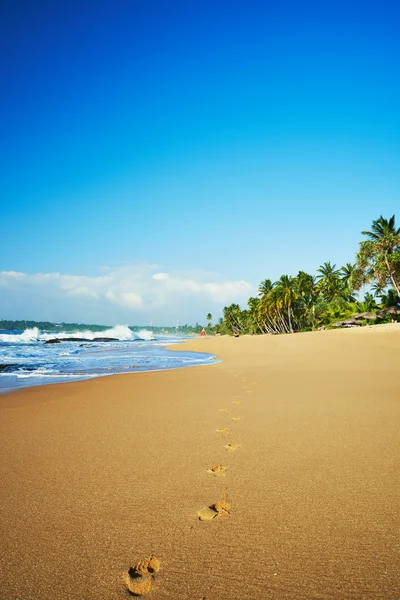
x=28, y=336
x=26, y=360
x=120, y=332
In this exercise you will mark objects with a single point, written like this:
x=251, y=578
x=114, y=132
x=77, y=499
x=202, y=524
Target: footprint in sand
x=217, y=470
x=140, y=576
x=235, y=419
x=224, y=430
x=223, y=410
x=237, y=402
x=218, y=509
x=232, y=447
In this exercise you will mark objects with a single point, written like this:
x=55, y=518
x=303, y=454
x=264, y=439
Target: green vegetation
x=308, y=302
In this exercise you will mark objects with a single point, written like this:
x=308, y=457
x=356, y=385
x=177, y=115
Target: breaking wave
x=120, y=332
x=26, y=337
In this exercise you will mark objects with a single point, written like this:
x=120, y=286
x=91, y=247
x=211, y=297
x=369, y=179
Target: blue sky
x=214, y=143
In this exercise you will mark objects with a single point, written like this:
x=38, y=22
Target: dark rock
x=5, y=368
x=66, y=339
x=74, y=339
x=79, y=339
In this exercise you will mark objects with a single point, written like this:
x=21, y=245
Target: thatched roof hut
x=348, y=323
x=365, y=316
x=391, y=310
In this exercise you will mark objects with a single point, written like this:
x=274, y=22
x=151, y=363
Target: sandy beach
x=99, y=474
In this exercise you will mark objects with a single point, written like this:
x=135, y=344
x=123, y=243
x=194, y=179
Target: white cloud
x=136, y=292
x=14, y=274
x=131, y=300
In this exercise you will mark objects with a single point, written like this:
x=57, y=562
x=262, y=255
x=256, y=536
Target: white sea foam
x=29, y=361
x=27, y=337
x=145, y=334
x=120, y=332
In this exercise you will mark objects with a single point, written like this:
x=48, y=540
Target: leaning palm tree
x=284, y=295
x=233, y=317
x=307, y=296
x=253, y=314
x=378, y=258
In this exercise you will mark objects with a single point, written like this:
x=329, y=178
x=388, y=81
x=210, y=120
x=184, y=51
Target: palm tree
x=391, y=298
x=329, y=282
x=284, y=295
x=346, y=273
x=367, y=305
x=253, y=314
x=233, y=318
x=376, y=289
x=382, y=229
x=307, y=295
x=378, y=258
x=265, y=287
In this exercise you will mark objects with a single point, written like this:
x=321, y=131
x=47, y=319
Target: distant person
x=203, y=332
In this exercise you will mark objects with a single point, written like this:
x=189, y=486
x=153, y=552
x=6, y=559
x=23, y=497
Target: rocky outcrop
x=79, y=339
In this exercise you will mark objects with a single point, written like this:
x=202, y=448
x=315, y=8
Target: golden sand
x=96, y=474
x=217, y=470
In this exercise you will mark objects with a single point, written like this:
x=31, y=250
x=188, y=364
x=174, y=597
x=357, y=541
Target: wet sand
x=99, y=474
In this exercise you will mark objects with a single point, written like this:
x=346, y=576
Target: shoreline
x=145, y=361
x=103, y=472
x=190, y=345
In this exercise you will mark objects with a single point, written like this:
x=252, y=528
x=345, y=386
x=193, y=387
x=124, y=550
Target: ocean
x=27, y=360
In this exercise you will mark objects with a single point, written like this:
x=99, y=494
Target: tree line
x=307, y=302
